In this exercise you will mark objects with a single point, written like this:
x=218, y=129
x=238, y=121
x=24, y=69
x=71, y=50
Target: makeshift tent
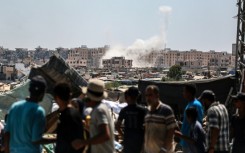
x=171, y=92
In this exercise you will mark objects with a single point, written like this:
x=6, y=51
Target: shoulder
x=165, y=109
x=141, y=108
x=197, y=103
x=40, y=110
x=101, y=108
x=18, y=103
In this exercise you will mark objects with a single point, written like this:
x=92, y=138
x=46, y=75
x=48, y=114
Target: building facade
x=117, y=63
x=86, y=57
x=194, y=59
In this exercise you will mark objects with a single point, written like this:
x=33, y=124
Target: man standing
x=26, y=121
x=238, y=124
x=189, y=94
x=133, y=116
x=101, y=125
x=217, y=127
x=159, y=124
x=70, y=122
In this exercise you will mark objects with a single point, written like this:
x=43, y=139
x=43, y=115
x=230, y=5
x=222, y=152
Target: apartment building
x=194, y=59
x=117, y=63
x=86, y=57
x=7, y=72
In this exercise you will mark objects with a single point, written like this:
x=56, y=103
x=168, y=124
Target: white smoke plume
x=140, y=47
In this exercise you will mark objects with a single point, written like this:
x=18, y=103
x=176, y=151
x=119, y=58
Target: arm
x=45, y=141
x=6, y=141
x=169, y=138
x=214, y=136
x=102, y=136
x=186, y=138
x=118, y=128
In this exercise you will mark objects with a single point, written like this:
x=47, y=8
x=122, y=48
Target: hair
x=63, y=91
x=191, y=112
x=154, y=88
x=191, y=88
x=132, y=92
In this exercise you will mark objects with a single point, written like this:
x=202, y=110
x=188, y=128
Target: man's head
x=191, y=114
x=131, y=95
x=239, y=101
x=152, y=95
x=95, y=92
x=207, y=98
x=189, y=92
x=62, y=93
x=37, y=88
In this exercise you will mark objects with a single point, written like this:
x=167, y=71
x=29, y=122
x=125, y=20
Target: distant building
x=194, y=59
x=117, y=63
x=86, y=57
x=7, y=72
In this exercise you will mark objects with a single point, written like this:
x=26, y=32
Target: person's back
x=26, y=123
x=133, y=116
x=69, y=128
x=217, y=117
x=101, y=115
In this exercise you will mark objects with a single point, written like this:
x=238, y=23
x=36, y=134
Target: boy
x=196, y=140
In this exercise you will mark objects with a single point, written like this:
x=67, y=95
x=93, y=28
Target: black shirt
x=238, y=125
x=69, y=128
x=133, y=116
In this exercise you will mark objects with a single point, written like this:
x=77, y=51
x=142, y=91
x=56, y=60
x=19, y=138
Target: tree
x=175, y=72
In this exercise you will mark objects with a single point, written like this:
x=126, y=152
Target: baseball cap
x=37, y=85
x=207, y=94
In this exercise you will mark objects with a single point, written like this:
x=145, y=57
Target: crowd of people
x=206, y=126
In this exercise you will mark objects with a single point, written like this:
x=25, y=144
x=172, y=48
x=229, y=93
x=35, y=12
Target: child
x=196, y=138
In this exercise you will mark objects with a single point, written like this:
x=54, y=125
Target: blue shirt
x=185, y=129
x=26, y=124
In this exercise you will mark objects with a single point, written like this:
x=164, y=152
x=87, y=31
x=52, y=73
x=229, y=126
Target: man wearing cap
x=101, y=125
x=217, y=127
x=26, y=121
x=238, y=124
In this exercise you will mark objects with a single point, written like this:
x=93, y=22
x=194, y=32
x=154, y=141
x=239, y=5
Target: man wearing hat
x=101, y=125
x=238, y=124
x=26, y=121
x=217, y=127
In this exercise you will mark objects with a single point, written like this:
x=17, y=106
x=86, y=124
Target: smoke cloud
x=140, y=48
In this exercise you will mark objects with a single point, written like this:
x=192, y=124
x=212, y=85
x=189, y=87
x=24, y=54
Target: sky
x=184, y=24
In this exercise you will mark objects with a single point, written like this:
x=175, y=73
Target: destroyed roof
x=57, y=70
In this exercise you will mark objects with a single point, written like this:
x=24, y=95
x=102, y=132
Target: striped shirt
x=217, y=117
x=156, y=125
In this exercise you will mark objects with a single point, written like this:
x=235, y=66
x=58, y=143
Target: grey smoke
x=143, y=47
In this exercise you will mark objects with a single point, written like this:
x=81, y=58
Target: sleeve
x=200, y=112
x=170, y=119
x=38, y=125
x=101, y=117
x=213, y=119
x=121, y=115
